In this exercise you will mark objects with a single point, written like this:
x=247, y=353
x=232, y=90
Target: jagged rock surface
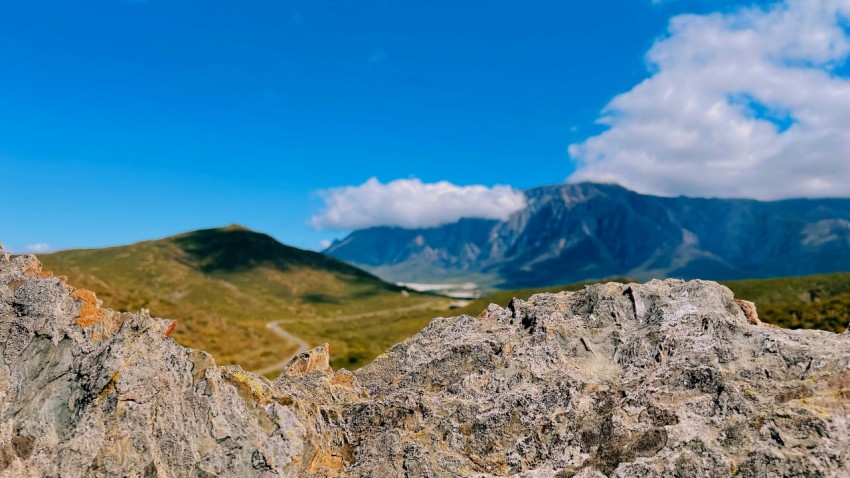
x=668, y=378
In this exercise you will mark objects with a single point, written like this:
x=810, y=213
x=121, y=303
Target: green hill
x=811, y=302
x=226, y=285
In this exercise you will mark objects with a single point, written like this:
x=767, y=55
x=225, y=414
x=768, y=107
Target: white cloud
x=746, y=104
x=410, y=203
x=324, y=244
x=37, y=248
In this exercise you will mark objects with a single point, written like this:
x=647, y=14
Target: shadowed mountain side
x=236, y=249
x=573, y=232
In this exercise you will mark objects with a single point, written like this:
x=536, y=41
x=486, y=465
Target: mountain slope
x=227, y=284
x=574, y=232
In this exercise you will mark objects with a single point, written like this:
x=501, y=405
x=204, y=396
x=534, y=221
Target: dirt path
x=275, y=327
x=381, y=313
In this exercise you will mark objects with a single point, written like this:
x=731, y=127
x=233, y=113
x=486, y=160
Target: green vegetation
x=225, y=285
x=503, y=297
x=811, y=302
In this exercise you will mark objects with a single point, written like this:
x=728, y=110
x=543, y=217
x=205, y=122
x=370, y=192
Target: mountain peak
x=235, y=227
x=581, y=189
x=582, y=231
x=237, y=248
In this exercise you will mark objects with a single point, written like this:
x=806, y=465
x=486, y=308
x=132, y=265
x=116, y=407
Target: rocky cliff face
x=667, y=378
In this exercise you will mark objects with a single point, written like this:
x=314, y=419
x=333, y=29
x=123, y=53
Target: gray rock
x=668, y=378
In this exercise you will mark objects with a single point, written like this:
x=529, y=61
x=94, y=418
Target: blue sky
x=127, y=120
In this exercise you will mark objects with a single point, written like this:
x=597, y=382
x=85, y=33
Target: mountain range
x=574, y=232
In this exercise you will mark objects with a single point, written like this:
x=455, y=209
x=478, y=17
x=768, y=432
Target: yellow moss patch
x=246, y=383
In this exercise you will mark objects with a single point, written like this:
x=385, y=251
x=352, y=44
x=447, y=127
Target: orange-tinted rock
x=315, y=360
x=749, y=310
x=90, y=311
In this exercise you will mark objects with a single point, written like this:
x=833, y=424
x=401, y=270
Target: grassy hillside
x=225, y=285
x=811, y=302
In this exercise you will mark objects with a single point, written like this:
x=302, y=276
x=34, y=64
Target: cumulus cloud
x=750, y=103
x=324, y=244
x=37, y=248
x=410, y=203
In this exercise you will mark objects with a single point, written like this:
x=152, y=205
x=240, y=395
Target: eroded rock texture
x=668, y=378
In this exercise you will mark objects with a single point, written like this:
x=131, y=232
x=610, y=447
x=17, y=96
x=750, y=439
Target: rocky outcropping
x=668, y=378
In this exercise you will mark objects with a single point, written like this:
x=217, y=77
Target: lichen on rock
x=668, y=378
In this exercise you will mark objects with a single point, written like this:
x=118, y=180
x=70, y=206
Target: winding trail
x=275, y=327
x=379, y=313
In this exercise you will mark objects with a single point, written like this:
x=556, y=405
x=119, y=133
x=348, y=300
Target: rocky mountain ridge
x=575, y=232
x=668, y=378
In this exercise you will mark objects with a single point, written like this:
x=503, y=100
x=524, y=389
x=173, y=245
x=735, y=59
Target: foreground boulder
x=668, y=378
